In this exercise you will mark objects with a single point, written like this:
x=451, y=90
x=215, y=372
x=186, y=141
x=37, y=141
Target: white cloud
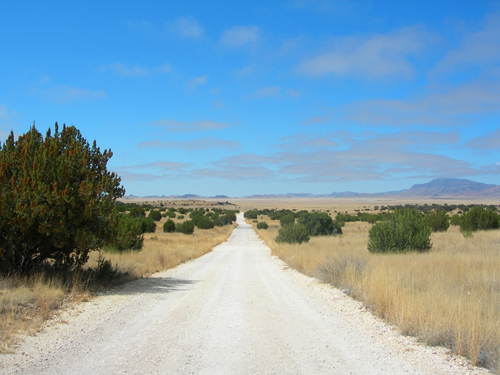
x=193, y=144
x=240, y=36
x=372, y=57
x=479, y=48
x=490, y=141
x=187, y=27
x=443, y=106
x=64, y=94
x=184, y=126
x=135, y=70
x=264, y=92
x=315, y=120
x=197, y=81
x=294, y=93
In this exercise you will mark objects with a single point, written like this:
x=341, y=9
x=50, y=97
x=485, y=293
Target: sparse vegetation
x=448, y=296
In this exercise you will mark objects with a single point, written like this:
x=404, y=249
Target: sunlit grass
x=449, y=296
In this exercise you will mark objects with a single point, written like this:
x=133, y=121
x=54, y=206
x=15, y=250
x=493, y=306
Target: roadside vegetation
x=64, y=236
x=446, y=295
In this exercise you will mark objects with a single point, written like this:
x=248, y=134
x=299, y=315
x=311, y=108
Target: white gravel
x=236, y=310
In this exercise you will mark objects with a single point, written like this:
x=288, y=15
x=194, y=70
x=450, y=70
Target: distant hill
x=452, y=187
x=439, y=187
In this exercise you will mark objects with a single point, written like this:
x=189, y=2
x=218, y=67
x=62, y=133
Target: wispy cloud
x=135, y=70
x=373, y=57
x=193, y=144
x=193, y=126
x=197, y=81
x=264, y=92
x=187, y=27
x=490, y=141
x=64, y=94
x=240, y=36
x=443, y=107
x=315, y=120
x=477, y=48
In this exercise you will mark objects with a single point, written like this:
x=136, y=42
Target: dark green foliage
x=148, y=225
x=182, y=211
x=155, y=215
x=170, y=215
x=204, y=223
x=287, y=219
x=57, y=199
x=187, y=227
x=137, y=212
x=405, y=230
x=169, y=226
x=319, y=224
x=262, y=225
x=293, y=233
x=438, y=221
x=128, y=234
x=251, y=214
x=455, y=220
x=478, y=218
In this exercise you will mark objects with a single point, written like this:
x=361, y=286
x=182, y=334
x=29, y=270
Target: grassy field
x=449, y=296
x=25, y=304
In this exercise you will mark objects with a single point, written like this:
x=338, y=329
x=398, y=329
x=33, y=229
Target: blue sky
x=240, y=98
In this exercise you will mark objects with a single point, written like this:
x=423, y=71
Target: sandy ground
x=236, y=310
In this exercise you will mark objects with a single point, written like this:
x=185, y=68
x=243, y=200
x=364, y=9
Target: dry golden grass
x=449, y=296
x=26, y=303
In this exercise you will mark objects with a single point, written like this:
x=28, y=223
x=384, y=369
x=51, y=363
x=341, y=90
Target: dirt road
x=235, y=310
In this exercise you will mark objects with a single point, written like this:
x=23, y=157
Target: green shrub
x=251, y=215
x=148, y=225
x=478, y=218
x=205, y=223
x=128, y=234
x=187, y=227
x=262, y=225
x=406, y=229
x=137, y=212
x=155, y=215
x=438, y=221
x=287, y=219
x=180, y=217
x=319, y=224
x=293, y=233
x=169, y=226
x=455, y=220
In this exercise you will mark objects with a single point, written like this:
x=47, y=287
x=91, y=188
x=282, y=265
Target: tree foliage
x=319, y=224
x=406, y=229
x=57, y=199
x=479, y=218
x=438, y=221
x=169, y=226
x=287, y=219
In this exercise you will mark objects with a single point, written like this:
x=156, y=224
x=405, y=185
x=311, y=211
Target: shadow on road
x=152, y=285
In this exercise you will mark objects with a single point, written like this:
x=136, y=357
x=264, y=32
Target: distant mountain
x=439, y=187
x=452, y=187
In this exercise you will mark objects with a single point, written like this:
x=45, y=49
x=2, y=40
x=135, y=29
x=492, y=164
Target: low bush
x=251, y=214
x=148, y=225
x=262, y=225
x=455, y=219
x=204, y=223
x=128, y=234
x=405, y=230
x=180, y=217
x=287, y=219
x=187, y=227
x=154, y=215
x=319, y=224
x=438, y=221
x=478, y=218
x=293, y=233
x=169, y=226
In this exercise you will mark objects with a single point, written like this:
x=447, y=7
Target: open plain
x=236, y=310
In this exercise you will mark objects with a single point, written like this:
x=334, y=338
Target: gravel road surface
x=236, y=310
